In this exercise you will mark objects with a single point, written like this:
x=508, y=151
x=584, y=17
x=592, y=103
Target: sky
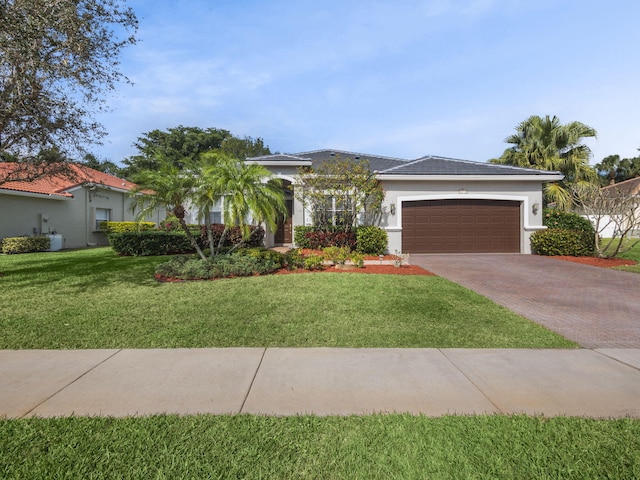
x=398, y=78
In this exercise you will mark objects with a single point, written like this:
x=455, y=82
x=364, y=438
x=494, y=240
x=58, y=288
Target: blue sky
x=397, y=78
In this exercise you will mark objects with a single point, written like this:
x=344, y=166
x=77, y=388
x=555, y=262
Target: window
x=215, y=215
x=102, y=215
x=333, y=211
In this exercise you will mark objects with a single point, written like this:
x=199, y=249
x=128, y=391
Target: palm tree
x=168, y=187
x=248, y=191
x=546, y=144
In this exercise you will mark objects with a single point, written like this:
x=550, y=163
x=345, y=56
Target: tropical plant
x=168, y=187
x=248, y=191
x=546, y=144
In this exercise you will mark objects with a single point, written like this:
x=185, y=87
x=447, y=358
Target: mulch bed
x=598, y=262
x=384, y=269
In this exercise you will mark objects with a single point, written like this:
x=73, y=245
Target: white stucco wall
x=73, y=218
x=528, y=193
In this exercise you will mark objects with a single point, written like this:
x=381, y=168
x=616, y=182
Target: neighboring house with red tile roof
x=71, y=203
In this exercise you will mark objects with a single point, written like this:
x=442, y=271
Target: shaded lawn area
x=632, y=254
x=96, y=299
x=369, y=447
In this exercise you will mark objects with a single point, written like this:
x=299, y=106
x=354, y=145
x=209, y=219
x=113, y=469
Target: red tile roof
x=59, y=183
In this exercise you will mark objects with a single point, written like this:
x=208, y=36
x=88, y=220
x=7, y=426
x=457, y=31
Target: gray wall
x=73, y=218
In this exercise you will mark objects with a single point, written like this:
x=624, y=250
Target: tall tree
x=58, y=60
x=106, y=166
x=242, y=148
x=176, y=145
x=613, y=169
x=547, y=144
x=180, y=143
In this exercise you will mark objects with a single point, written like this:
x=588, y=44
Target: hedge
x=371, y=240
x=317, y=238
x=12, y=245
x=121, y=227
x=553, y=218
x=150, y=243
x=565, y=242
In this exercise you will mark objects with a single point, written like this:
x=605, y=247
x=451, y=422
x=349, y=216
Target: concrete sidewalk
x=323, y=381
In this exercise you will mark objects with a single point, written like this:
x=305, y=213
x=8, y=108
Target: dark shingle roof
x=427, y=165
x=431, y=165
x=376, y=162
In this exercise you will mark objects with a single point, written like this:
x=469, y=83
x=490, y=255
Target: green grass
x=370, y=447
x=95, y=299
x=631, y=254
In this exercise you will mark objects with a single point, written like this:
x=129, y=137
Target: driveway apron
x=593, y=306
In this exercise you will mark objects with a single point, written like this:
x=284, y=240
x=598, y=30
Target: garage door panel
x=461, y=226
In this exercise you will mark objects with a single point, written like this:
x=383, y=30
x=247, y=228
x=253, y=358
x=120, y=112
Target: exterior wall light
x=392, y=209
x=534, y=208
x=463, y=191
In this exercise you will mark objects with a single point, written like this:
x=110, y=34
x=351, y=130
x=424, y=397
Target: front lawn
x=368, y=447
x=96, y=299
x=632, y=254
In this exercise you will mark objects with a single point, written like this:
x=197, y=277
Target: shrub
x=337, y=255
x=12, y=245
x=299, y=235
x=357, y=259
x=371, y=240
x=221, y=266
x=264, y=255
x=320, y=239
x=121, y=227
x=314, y=262
x=293, y=259
x=150, y=243
x=553, y=218
x=561, y=241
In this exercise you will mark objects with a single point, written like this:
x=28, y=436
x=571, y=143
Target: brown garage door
x=461, y=226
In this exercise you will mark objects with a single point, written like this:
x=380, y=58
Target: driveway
x=595, y=307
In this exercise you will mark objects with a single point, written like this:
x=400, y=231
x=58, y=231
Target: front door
x=284, y=232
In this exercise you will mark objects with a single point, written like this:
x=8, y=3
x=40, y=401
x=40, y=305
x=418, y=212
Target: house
x=433, y=204
x=68, y=205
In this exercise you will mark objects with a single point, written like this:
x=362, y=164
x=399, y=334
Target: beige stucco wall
x=73, y=218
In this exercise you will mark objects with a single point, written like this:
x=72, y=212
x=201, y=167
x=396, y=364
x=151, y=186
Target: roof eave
x=275, y=163
x=486, y=178
x=45, y=196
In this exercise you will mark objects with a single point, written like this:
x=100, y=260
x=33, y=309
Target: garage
x=461, y=226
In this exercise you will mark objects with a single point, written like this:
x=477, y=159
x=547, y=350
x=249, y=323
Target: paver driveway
x=595, y=307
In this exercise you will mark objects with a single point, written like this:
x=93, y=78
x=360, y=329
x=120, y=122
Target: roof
x=61, y=181
x=424, y=166
x=431, y=165
x=376, y=162
x=628, y=187
x=281, y=159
